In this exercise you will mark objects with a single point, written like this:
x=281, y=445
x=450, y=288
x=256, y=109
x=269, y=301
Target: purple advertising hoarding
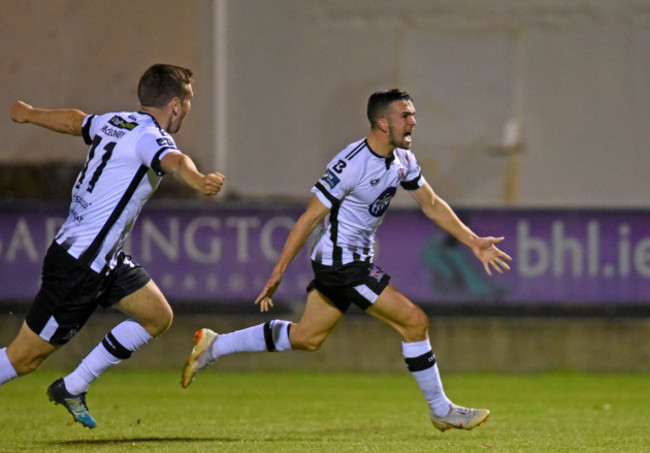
x=225, y=253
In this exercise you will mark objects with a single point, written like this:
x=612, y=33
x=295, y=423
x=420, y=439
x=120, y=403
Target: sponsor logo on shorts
x=71, y=333
x=376, y=273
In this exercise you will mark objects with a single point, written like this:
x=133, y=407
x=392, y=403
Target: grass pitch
x=305, y=412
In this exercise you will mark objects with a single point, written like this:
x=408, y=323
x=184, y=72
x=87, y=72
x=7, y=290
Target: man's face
x=184, y=109
x=401, y=122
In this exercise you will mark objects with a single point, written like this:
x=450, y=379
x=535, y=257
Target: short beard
x=395, y=144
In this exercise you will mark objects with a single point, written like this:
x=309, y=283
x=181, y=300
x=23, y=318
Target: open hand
x=490, y=255
x=264, y=299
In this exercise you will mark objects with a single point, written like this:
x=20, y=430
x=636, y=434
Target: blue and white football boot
x=75, y=404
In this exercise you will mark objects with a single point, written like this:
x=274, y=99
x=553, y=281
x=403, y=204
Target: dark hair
x=380, y=100
x=163, y=82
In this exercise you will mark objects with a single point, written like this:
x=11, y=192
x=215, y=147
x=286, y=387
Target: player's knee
x=422, y=321
x=308, y=346
x=160, y=323
x=307, y=343
x=305, y=339
x=165, y=322
x=418, y=326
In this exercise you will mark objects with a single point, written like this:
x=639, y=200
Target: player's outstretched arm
x=182, y=167
x=65, y=121
x=484, y=248
x=304, y=226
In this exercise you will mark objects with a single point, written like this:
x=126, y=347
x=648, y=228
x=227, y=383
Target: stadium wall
x=362, y=344
x=572, y=76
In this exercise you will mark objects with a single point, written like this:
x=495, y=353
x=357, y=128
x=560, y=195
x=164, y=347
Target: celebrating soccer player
x=352, y=198
x=85, y=266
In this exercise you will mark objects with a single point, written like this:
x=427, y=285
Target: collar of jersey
x=388, y=160
x=152, y=118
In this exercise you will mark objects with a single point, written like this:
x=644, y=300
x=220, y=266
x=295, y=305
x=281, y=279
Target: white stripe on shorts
x=367, y=293
x=49, y=330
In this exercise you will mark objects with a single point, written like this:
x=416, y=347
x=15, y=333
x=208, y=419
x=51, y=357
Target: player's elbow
x=75, y=125
x=73, y=130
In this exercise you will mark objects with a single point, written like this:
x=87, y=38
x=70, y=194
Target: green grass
x=303, y=412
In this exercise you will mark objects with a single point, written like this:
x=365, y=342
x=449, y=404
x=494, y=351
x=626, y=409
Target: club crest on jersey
x=330, y=179
x=379, y=206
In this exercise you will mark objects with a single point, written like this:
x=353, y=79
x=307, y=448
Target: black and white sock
x=421, y=363
x=125, y=338
x=270, y=336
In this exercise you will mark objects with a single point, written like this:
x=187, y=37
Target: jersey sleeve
x=86, y=127
x=339, y=179
x=152, y=147
x=413, y=179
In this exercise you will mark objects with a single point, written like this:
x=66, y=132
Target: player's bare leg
x=318, y=320
x=149, y=308
x=24, y=354
x=396, y=310
x=28, y=350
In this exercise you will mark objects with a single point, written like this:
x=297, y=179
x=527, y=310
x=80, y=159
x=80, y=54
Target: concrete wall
x=575, y=74
x=90, y=55
x=362, y=344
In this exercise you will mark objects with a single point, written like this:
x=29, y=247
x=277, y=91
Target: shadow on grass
x=80, y=442
x=325, y=435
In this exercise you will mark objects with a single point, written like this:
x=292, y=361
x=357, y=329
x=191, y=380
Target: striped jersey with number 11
x=358, y=186
x=121, y=172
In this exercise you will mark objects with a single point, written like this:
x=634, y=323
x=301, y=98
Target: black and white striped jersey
x=358, y=186
x=121, y=172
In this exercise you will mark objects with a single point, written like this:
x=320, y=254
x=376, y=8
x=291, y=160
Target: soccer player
x=352, y=198
x=85, y=266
